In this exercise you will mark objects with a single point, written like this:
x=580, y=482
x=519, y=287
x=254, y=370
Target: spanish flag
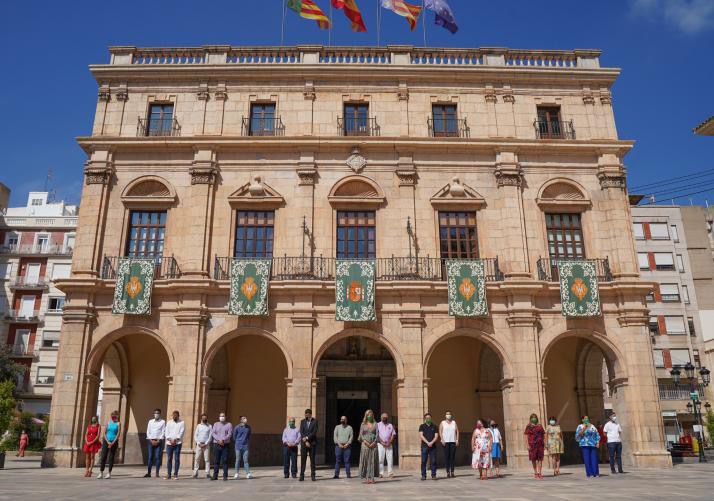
x=308, y=10
x=352, y=13
x=401, y=8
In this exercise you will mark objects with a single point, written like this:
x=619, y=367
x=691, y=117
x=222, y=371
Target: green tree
x=36, y=431
x=709, y=424
x=9, y=369
x=7, y=407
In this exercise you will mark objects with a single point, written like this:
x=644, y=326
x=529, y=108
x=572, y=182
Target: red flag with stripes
x=349, y=7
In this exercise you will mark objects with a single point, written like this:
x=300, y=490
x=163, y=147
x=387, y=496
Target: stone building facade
x=400, y=154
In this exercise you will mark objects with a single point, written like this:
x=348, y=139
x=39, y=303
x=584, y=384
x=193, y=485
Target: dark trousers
x=614, y=449
x=155, y=453
x=290, y=460
x=220, y=459
x=342, y=456
x=450, y=456
x=428, y=452
x=590, y=458
x=304, y=453
x=108, y=452
x=173, y=452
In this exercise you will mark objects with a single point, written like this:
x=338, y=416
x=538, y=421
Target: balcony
x=440, y=127
x=165, y=267
x=32, y=250
x=29, y=283
x=672, y=392
x=388, y=269
x=554, y=129
x=23, y=317
x=262, y=127
x=548, y=268
x=357, y=126
x=162, y=127
x=21, y=351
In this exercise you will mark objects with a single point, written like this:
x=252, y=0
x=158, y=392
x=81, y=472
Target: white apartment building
x=36, y=243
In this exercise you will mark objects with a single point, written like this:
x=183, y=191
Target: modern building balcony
x=165, y=267
x=388, y=269
x=358, y=126
x=29, y=283
x=262, y=127
x=162, y=127
x=548, y=268
x=440, y=127
x=23, y=317
x=674, y=392
x=32, y=250
x=554, y=129
x=21, y=351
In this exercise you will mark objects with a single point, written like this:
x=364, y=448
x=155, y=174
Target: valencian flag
x=579, y=293
x=354, y=291
x=352, y=12
x=249, y=287
x=444, y=14
x=135, y=280
x=401, y=8
x=466, y=283
x=308, y=10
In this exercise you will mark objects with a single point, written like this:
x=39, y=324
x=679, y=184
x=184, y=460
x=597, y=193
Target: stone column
x=513, y=248
x=194, y=251
x=411, y=401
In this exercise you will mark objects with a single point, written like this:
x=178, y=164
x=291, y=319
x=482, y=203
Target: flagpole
x=282, y=24
x=423, y=20
x=379, y=22
x=329, y=34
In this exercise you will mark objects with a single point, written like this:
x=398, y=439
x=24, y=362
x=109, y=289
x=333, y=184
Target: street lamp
x=695, y=406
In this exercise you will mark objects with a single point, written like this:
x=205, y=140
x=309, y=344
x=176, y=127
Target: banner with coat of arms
x=579, y=292
x=354, y=291
x=249, y=287
x=466, y=281
x=135, y=280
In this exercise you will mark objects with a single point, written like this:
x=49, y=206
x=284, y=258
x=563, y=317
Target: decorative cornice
x=98, y=175
x=309, y=91
x=521, y=319
x=220, y=94
x=202, y=93
x=412, y=321
x=588, y=99
x=605, y=97
x=407, y=177
x=203, y=175
x=504, y=178
x=509, y=98
x=191, y=317
x=607, y=181
x=122, y=95
x=307, y=177
x=403, y=92
x=491, y=97
x=104, y=93
x=305, y=320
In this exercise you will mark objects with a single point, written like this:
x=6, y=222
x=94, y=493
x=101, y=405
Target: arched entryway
x=354, y=373
x=247, y=377
x=134, y=372
x=464, y=377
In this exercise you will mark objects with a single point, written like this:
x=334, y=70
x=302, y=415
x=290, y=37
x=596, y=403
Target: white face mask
x=222, y=419
x=614, y=419
x=157, y=416
x=449, y=417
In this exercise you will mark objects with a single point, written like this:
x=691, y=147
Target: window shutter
x=662, y=325
x=651, y=259
x=646, y=228
x=657, y=294
x=667, y=359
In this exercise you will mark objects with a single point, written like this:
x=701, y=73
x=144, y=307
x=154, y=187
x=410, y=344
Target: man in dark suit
x=308, y=441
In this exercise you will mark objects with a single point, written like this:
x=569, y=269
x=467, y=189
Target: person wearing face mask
x=385, y=435
x=308, y=443
x=291, y=440
x=155, y=433
x=110, y=444
x=221, y=434
x=613, y=431
x=175, y=430
x=91, y=445
x=481, y=443
x=241, y=441
x=554, y=444
x=449, y=433
x=588, y=438
x=342, y=437
x=535, y=442
x=368, y=455
x=496, y=449
x=428, y=434
x=202, y=437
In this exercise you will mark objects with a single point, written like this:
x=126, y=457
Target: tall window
x=549, y=123
x=45, y=375
x=356, y=119
x=565, y=236
x=445, y=123
x=146, y=234
x=457, y=235
x=262, y=119
x=161, y=117
x=356, y=234
x=254, y=234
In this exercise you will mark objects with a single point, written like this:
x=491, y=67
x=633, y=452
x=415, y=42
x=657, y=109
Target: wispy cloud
x=689, y=16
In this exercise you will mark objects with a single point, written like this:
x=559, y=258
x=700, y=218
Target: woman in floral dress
x=555, y=444
x=481, y=443
x=535, y=441
x=368, y=454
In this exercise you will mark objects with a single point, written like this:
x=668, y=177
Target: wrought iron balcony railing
x=20, y=316
x=164, y=267
x=448, y=127
x=548, y=268
x=45, y=250
x=672, y=392
x=29, y=283
x=357, y=126
x=554, y=129
x=262, y=127
x=158, y=127
x=388, y=269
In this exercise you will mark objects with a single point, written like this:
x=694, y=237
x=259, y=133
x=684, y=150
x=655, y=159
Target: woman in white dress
x=481, y=443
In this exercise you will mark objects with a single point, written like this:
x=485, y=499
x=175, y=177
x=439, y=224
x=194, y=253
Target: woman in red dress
x=535, y=442
x=24, y=440
x=91, y=445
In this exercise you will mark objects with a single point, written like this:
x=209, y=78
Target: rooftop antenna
x=48, y=179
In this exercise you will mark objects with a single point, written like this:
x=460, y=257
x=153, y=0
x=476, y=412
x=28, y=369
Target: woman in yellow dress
x=554, y=444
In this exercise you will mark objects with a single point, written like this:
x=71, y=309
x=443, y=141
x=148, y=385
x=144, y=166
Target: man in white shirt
x=613, y=430
x=202, y=437
x=155, y=433
x=174, y=440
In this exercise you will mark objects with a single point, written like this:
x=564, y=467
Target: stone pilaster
x=512, y=250
x=411, y=401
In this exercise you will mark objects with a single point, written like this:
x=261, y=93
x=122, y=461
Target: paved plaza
x=24, y=479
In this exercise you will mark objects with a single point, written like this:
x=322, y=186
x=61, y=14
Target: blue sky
x=47, y=96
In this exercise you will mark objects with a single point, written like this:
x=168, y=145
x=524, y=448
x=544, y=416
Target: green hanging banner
x=466, y=281
x=135, y=280
x=354, y=291
x=578, y=288
x=249, y=287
